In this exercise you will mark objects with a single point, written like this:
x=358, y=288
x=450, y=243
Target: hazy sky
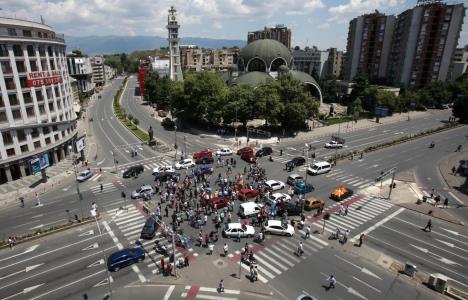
x=323, y=23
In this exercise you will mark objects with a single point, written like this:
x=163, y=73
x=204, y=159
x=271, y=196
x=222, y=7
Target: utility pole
x=175, y=141
x=115, y=165
x=235, y=126
x=307, y=160
x=185, y=147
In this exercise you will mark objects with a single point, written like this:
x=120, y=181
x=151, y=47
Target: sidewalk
x=457, y=184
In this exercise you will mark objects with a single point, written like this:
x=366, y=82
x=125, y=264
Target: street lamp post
x=175, y=141
x=307, y=160
x=185, y=146
x=235, y=126
x=94, y=214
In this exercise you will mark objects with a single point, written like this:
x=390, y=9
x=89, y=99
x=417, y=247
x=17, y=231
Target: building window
x=20, y=67
x=30, y=112
x=45, y=130
x=27, y=33
x=47, y=140
x=21, y=135
x=16, y=114
x=13, y=99
x=10, y=84
x=3, y=117
x=3, y=50
x=52, y=64
x=23, y=82
x=27, y=98
x=30, y=49
x=49, y=50
x=33, y=65
x=51, y=107
x=17, y=50
x=39, y=34
x=10, y=152
x=11, y=31
x=2, y=104
x=56, y=137
x=24, y=148
x=37, y=145
x=6, y=67
x=34, y=133
x=41, y=50
x=7, y=139
x=44, y=65
x=42, y=109
x=39, y=96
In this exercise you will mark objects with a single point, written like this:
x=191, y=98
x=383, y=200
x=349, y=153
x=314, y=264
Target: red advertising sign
x=41, y=78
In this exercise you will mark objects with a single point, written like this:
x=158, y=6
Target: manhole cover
x=220, y=263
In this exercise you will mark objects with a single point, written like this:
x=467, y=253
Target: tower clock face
x=173, y=18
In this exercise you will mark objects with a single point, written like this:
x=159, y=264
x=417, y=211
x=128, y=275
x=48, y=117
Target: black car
x=167, y=124
x=296, y=161
x=264, y=152
x=165, y=176
x=204, y=160
x=293, y=209
x=133, y=171
x=149, y=230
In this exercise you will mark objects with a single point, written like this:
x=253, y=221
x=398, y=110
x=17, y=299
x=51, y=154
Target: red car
x=220, y=202
x=203, y=153
x=248, y=157
x=244, y=150
x=247, y=193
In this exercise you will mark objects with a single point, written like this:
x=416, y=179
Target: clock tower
x=175, y=72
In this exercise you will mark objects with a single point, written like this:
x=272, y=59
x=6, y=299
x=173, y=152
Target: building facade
x=198, y=59
x=368, y=44
x=37, y=120
x=311, y=61
x=424, y=42
x=99, y=75
x=459, y=65
x=335, y=62
x=81, y=69
x=280, y=33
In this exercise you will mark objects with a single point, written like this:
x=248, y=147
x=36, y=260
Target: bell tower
x=175, y=72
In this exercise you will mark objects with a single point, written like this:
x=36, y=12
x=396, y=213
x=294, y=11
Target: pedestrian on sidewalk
x=446, y=202
x=102, y=187
x=11, y=242
x=428, y=226
x=361, y=239
x=225, y=249
x=454, y=170
x=162, y=264
x=21, y=199
x=186, y=260
x=210, y=249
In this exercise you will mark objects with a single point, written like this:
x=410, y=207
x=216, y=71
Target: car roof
x=234, y=225
x=321, y=163
x=278, y=194
x=249, y=204
x=274, y=222
x=271, y=181
x=295, y=176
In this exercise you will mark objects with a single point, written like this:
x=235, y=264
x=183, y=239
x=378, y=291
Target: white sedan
x=274, y=198
x=85, y=175
x=224, y=152
x=163, y=169
x=185, y=164
x=278, y=227
x=333, y=144
x=274, y=185
x=233, y=230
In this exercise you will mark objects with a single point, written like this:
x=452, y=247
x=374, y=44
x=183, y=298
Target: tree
x=460, y=108
x=355, y=107
x=268, y=104
x=408, y=99
x=386, y=99
x=294, y=116
x=240, y=99
x=361, y=84
x=151, y=87
x=435, y=94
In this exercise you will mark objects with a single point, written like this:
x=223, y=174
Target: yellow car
x=313, y=203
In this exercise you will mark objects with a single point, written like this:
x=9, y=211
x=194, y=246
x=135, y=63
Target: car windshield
x=83, y=173
x=138, y=190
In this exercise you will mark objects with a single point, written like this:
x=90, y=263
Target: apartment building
x=280, y=33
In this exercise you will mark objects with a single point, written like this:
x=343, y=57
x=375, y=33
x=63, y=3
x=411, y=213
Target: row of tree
x=203, y=97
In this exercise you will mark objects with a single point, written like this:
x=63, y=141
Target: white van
x=319, y=168
x=248, y=209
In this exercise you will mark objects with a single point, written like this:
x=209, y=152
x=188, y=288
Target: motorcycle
x=249, y=259
x=161, y=249
x=431, y=145
x=259, y=238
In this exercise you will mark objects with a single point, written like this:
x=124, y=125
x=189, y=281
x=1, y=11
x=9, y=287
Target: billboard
x=39, y=163
x=41, y=78
x=380, y=111
x=80, y=144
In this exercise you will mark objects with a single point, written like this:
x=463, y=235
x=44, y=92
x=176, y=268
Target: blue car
x=300, y=187
x=203, y=169
x=125, y=257
x=85, y=175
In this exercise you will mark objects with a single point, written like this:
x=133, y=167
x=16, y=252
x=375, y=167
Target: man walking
x=446, y=202
x=331, y=282
x=102, y=187
x=307, y=232
x=428, y=226
x=361, y=239
x=38, y=200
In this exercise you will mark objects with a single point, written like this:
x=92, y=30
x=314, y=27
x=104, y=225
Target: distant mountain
x=93, y=45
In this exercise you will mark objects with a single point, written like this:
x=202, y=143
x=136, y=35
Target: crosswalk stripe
x=259, y=276
x=349, y=220
x=273, y=261
x=147, y=167
x=369, y=208
x=265, y=272
x=128, y=228
x=365, y=185
x=133, y=237
x=279, y=257
x=132, y=232
x=357, y=215
x=113, y=210
x=130, y=220
x=341, y=177
x=359, y=182
x=383, y=202
x=129, y=215
x=308, y=245
x=354, y=181
x=265, y=263
x=339, y=223
x=347, y=179
x=288, y=255
x=213, y=290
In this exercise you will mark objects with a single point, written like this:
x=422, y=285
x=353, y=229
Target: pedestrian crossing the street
x=130, y=225
x=359, y=213
x=107, y=187
x=200, y=292
x=279, y=256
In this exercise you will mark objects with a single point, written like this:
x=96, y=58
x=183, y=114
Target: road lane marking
x=378, y=224
x=169, y=292
x=368, y=285
x=456, y=198
x=30, y=249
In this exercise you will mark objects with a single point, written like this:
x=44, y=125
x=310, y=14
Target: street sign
x=385, y=174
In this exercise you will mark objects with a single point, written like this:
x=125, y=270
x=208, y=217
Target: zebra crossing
x=200, y=292
x=279, y=255
x=155, y=162
x=351, y=180
x=106, y=187
x=130, y=224
x=359, y=213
